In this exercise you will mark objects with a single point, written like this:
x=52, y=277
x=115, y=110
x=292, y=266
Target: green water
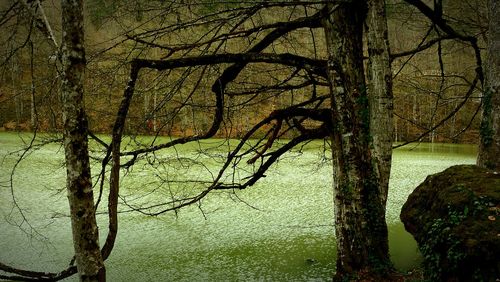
x=280, y=229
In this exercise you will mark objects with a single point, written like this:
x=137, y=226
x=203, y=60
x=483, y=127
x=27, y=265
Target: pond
x=280, y=229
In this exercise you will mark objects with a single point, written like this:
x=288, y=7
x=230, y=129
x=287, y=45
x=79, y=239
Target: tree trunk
x=361, y=231
x=34, y=118
x=79, y=185
x=14, y=73
x=380, y=93
x=489, y=147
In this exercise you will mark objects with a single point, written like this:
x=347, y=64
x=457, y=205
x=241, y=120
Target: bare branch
x=315, y=66
x=40, y=19
x=422, y=47
x=437, y=19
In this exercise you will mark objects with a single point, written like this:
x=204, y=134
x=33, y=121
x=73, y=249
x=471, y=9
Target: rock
x=455, y=218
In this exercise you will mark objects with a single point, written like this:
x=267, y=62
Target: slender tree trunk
x=34, y=118
x=154, y=108
x=361, y=231
x=489, y=147
x=14, y=73
x=79, y=185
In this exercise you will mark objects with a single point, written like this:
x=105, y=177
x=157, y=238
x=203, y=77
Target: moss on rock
x=455, y=218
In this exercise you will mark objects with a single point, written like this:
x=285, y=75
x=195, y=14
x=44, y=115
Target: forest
x=122, y=85
x=117, y=31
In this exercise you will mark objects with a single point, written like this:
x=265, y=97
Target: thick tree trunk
x=361, y=231
x=79, y=185
x=489, y=147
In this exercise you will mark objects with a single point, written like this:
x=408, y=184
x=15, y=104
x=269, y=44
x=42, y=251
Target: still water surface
x=277, y=230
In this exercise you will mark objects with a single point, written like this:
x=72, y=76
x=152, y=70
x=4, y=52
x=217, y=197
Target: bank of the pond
x=280, y=229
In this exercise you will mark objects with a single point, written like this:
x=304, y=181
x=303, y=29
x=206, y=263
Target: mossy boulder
x=455, y=218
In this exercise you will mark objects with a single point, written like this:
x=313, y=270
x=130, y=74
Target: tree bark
x=379, y=76
x=489, y=147
x=79, y=185
x=360, y=228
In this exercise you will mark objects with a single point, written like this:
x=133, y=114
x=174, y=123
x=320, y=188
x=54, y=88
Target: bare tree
x=79, y=184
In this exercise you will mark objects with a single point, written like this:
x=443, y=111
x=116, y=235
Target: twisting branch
x=324, y=130
x=317, y=67
x=114, y=184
